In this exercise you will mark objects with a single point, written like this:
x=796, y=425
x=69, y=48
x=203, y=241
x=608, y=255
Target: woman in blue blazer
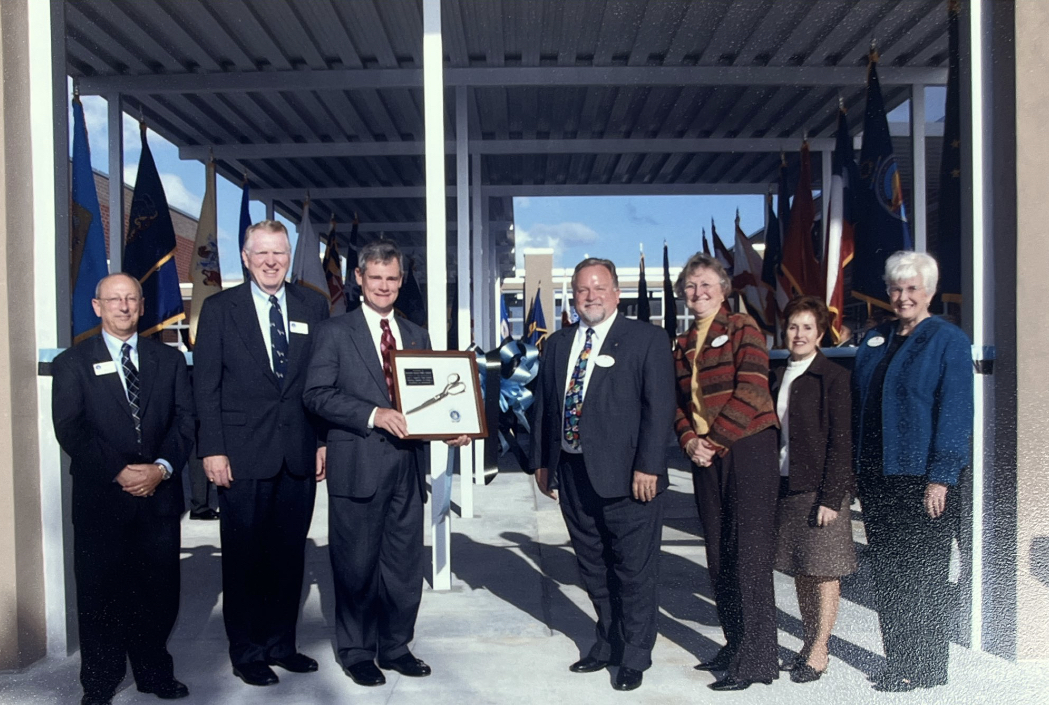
x=912, y=429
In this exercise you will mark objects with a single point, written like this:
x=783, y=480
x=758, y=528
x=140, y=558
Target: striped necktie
x=387, y=344
x=131, y=378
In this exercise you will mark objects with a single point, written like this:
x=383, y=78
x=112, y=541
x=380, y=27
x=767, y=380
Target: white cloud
x=557, y=236
x=522, y=202
x=175, y=190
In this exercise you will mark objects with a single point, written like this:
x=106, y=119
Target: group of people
x=776, y=460
x=281, y=398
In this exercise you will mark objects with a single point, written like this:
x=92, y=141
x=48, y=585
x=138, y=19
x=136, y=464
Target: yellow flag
x=204, y=269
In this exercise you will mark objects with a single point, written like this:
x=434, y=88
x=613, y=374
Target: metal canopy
x=602, y=96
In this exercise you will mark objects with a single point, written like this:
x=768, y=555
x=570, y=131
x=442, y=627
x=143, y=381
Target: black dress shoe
x=804, y=673
x=730, y=683
x=205, y=515
x=627, y=679
x=256, y=673
x=587, y=664
x=295, y=663
x=407, y=665
x=170, y=690
x=718, y=663
x=365, y=673
x=96, y=699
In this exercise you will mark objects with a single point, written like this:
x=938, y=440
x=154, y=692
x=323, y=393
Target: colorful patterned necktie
x=131, y=378
x=387, y=344
x=574, y=397
x=278, y=340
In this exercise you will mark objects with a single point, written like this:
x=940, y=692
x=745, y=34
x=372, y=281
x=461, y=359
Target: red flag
x=723, y=254
x=800, y=265
x=758, y=296
x=840, y=245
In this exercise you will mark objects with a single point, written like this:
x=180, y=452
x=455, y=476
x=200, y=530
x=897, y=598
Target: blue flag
x=87, y=238
x=644, y=306
x=410, y=303
x=948, y=244
x=245, y=222
x=149, y=253
x=535, y=325
x=881, y=220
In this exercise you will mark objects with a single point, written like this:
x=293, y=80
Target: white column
x=919, y=212
x=116, y=182
x=462, y=242
x=490, y=278
x=436, y=274
x=477, y=265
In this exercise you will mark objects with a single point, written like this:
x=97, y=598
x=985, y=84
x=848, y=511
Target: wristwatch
x=164, y=472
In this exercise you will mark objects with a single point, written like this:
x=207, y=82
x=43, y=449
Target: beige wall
x=22, y=628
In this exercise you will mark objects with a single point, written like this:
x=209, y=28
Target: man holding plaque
x=604, y=409
x=376, y=475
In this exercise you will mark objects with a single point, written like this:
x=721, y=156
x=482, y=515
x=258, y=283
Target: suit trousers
x=376, y=547
x=910, y=557
x=616, y=543
x=263, y=524
x=736, y=497
x=127, y=586
x=201, y=492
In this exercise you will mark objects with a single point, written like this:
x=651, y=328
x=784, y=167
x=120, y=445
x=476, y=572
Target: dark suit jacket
x=820, y=427
x=244, y=412
x=628, y=410
x=344, y=384
x=94, y=426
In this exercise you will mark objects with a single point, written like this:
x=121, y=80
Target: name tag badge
x=299, y=327
x=876, y=341
x=105, y=368
x=604, y=361
x=719, y=341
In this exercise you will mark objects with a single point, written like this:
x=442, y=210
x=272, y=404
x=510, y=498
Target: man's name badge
x=719, y=341
x=604, y=361
x=299, y=327
x=876, y=341
x=105, y=368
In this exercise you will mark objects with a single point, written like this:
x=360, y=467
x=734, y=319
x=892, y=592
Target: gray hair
x=98, y=287
x=270, y=226
x=907, y=264
x=596, y=262
x=382, y=251
x=702, y=261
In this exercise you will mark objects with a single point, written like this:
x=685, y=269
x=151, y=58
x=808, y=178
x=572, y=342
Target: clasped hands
x=140, y=479
x=701, y=451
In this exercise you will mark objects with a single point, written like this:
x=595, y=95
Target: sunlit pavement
x=516, y=618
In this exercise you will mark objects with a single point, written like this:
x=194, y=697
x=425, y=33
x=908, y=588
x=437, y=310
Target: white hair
x=907, y=264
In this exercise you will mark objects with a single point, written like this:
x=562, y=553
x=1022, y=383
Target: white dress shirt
x=596, y=342
x=262, y=310
x=795, y=369
x=114, y=345
x=373, y=319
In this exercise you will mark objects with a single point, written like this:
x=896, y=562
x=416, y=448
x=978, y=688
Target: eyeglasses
x=117, y=300
x=909, y=290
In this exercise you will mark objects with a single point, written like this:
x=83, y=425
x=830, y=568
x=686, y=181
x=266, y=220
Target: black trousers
x=376, y=548
x=910, y=556
x=736, y=497
x=201, y=492
x=616, y=543
x=127, y=587
x=263, y=524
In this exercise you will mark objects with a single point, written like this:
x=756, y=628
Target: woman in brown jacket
x=725, y=424
x=813, y=528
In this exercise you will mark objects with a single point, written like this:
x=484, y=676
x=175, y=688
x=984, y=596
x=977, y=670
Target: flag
x=149, y=253
x=204, y=270
x=504, y=319
x=771, y=274
x=881, y=219
x=332, y=265
x=840, y=229
x=306, y=268
x=703, y=240
x=245, y=223
x=411, y=304
x=669, y=302
x=757, y=295
x=87, y=236
x=949, y=233
x=535, y=324
x=644, y=307
x=722, y=253
x=352, y=291
x=568, y=314
x=799, y=265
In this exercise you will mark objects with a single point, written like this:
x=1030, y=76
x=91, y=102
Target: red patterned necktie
x=387, y=344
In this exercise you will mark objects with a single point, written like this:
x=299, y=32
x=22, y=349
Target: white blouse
x=795, y=368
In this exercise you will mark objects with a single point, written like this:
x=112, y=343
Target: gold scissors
x=454, y=386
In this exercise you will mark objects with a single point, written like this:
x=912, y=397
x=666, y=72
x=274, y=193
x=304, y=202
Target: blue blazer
x=927, y=402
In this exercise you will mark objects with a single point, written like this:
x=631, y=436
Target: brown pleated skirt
x=803, y=548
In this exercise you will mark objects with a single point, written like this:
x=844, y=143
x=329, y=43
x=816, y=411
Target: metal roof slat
x=123, y=15
x=200, y=19
x=748, y=105
x=659, y=102
x=453, y=33
x=656, y=30
x=83, y=59
x=811, y=31
x=295, y=37
x=107, y=39
x=695, y=30
x=532, y=31
x=620, y=22
x=258, y=37
x=492, y=22
x=780, y=21
x=371, y=36
x=733, y=32
x=926, y=23
x=857, y=25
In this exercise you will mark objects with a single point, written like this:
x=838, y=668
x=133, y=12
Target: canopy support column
x=919, y=213
x=462, y=265
x=116, y=182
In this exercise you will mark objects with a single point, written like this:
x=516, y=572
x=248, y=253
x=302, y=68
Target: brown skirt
x=803, y=548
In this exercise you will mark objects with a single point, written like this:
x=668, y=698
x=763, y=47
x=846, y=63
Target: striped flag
x=839, y=246
x=757, y=295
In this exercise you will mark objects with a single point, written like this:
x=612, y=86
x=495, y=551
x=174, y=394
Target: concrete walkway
x=516, y=618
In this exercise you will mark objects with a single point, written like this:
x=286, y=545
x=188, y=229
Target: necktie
x=574, y=397
x=131, y=378
x=387, y=344
x=278, y=340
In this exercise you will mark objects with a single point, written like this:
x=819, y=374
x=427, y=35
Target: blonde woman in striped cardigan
x=726, y=425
